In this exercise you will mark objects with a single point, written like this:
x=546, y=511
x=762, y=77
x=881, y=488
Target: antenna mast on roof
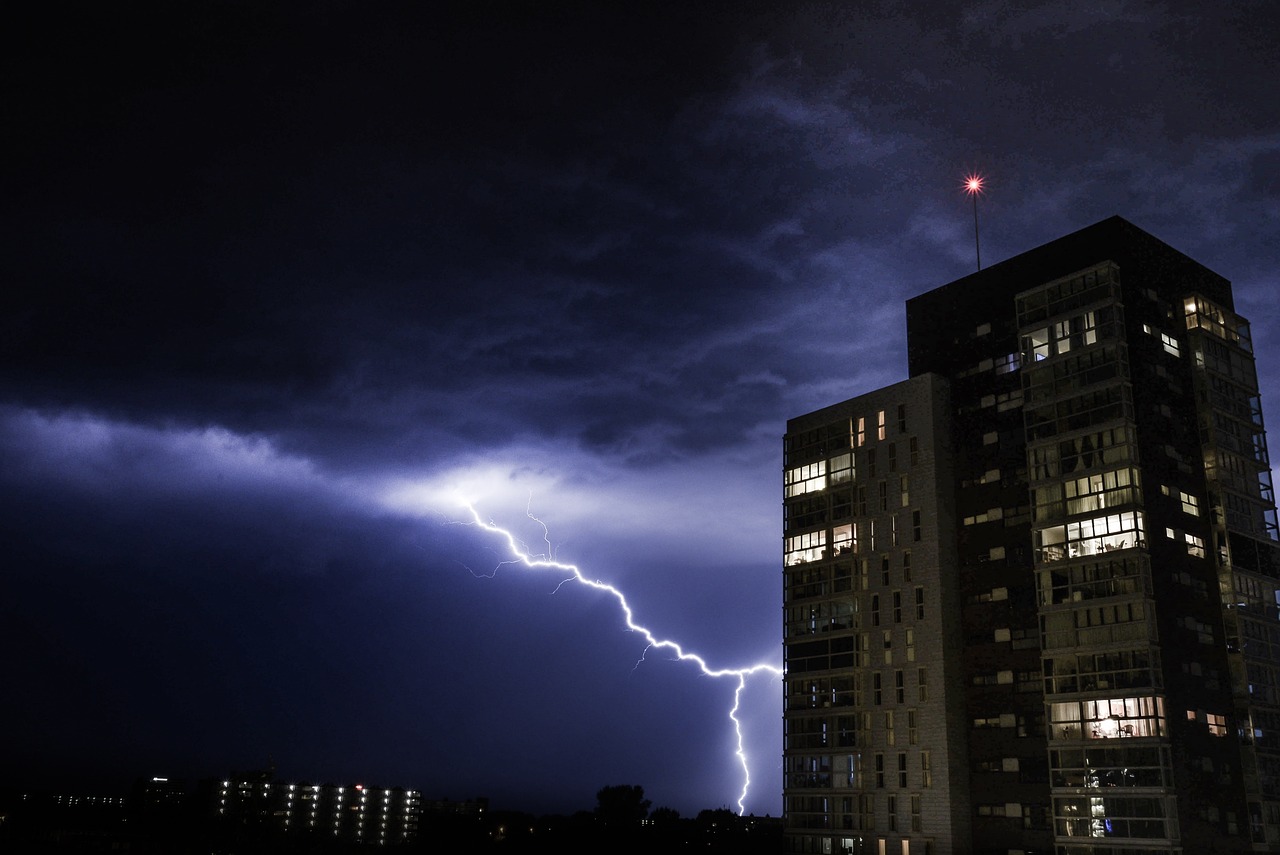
x=973, y=186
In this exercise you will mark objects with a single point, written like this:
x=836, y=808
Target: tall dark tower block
x=1074, y=487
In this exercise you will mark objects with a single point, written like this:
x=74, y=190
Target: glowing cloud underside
x=520, y=555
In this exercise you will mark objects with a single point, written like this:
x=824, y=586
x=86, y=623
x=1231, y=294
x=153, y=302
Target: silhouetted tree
x=665, y=816
x=621, y=806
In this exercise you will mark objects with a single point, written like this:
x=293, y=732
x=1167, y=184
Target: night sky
x=282, y=283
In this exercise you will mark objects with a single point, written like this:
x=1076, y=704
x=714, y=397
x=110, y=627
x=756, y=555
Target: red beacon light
x=973, y=183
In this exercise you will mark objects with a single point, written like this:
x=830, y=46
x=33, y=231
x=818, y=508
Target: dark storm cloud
x=280, y=281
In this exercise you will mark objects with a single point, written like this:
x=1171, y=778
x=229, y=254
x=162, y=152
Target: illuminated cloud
x=165, y=496
x=108, y=456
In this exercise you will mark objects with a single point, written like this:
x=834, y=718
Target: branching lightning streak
x=521, y=555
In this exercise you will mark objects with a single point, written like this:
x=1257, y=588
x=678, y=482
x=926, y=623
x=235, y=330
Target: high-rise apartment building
x=1031, y=592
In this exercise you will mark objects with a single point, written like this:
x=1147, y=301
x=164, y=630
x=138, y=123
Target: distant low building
x=254, y=804
x=39, y=821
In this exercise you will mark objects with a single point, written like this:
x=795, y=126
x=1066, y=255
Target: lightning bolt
x=520, y=555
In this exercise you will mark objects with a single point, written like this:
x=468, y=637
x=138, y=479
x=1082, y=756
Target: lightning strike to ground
x=521, y=555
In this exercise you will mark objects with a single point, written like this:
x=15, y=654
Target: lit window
x=843, y=539
x=1090, y=536
x=1101, y=491
x=1008, y=363
x=1107, y=718
x=840, y=469
x=810, y=546
x=805, y=479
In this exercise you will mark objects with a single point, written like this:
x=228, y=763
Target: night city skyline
x=284, y=284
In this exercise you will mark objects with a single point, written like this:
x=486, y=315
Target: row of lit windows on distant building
x=385, y=815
